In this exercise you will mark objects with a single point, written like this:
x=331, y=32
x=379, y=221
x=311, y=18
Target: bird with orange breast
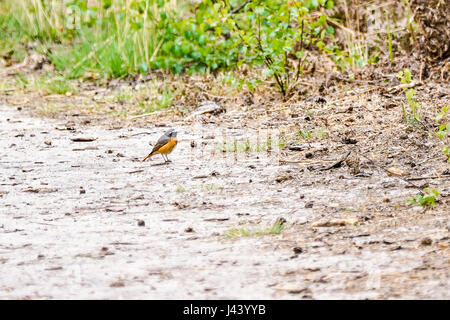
x=165, y=145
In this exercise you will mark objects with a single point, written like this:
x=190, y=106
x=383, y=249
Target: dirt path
x=70, y=212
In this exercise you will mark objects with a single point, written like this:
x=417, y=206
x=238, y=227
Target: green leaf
x=177, y=68
x=143, y=68
x=322, y=19
x=407, y=75
x=313, y=4
x=330, y=30
x=410, y=93
x=300, y=54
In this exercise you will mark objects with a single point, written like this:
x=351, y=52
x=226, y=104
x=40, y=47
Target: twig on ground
x=385, y=170
x=412, y=84
x=338, y=163
x=284, y=161
x=430, y=177
x=148, y=114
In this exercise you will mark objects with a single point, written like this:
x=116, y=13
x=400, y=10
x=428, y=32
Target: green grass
x=163, y=101
x=47, y=83
x=111, y=49
x=115, y=39
x=309, y=134
x=275, y=228
x=59, y=86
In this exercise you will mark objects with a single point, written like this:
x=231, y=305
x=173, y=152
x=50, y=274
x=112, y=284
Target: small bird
x=165, y=144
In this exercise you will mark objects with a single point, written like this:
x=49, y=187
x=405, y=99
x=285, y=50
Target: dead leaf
x=396, y=172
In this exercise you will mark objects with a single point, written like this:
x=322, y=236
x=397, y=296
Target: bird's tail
x=147, y=156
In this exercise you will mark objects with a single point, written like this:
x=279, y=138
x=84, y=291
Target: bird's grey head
x=171, y=133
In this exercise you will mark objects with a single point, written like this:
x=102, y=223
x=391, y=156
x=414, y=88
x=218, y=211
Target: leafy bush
x=225, y=35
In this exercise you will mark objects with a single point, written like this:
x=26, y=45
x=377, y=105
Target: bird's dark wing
x=160, y=143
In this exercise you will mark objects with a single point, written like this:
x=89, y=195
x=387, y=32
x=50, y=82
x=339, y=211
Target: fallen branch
x=430, y=177
x=148, y=114
x=412, y=84
x=336, y=24
x=283, y=161
x=338, y=163
x=385, y=170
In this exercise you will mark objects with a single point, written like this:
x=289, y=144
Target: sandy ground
x=89, y=220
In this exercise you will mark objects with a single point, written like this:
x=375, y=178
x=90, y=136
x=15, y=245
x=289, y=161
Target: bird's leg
x=164, y=157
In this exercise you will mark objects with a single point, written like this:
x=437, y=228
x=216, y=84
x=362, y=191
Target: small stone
x=207, y=107
x=117, y=284
x=283, y=178
x=297, y=250
x=141, y=223
x=443, y=245
x=426, y=241
x=349, y=141
x=48, y=142
x=309, y=204
x=189, y=229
